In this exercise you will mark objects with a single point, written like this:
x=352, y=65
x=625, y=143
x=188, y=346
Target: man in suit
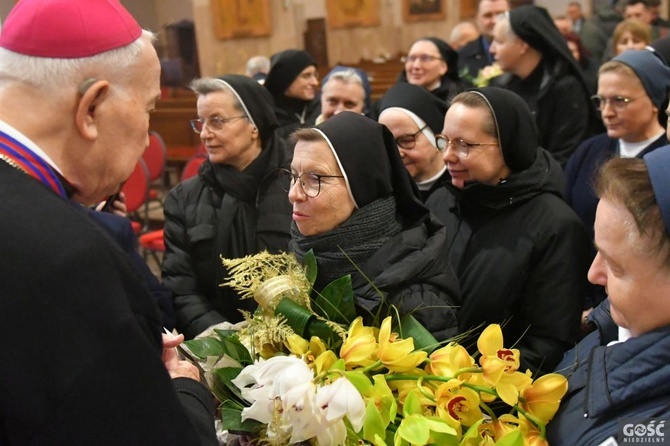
x=593, y=38
x=476, y=55
x=84, y=361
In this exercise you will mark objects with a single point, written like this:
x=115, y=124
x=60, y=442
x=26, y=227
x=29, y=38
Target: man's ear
x=91, y=93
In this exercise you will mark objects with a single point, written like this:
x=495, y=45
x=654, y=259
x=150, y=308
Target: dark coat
x=472, y=58
x=607, y=386
x=521, y=257
x=196, y=235
x=81, y=335
x=561, y=107
x=121, y=231
x=580, y=173
x=414, y=272
x=293, y=114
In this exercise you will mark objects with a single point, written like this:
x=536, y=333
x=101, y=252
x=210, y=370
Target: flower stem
x=488, y=410
x=533, y=419
x=372, y=366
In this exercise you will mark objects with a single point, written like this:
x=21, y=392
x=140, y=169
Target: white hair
x=55, y=75
x=347, y=76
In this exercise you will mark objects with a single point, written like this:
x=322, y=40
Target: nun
x=520, y=252
x=293, y=83
x=366, y=219
x=539, y=67
x=415, y=116
x=234, y=207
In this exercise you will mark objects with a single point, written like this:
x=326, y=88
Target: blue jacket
x=627, y=381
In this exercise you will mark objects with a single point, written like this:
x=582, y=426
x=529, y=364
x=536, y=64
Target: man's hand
x=176, y=367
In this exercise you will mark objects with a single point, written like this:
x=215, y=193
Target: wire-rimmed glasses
x=310, y=182
x=618, y=103
x=214, y=123
x=461, y=146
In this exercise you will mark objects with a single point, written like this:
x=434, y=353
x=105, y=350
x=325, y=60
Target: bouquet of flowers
x=307, y=369
x=484, y=75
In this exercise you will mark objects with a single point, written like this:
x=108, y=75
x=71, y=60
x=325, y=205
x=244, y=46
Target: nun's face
x=424, y=66
x=483, y=163
x=304, y=86
x=507, y=49
x=228, y=135
x=420, y=157
x=634, y=121
x=333, y=205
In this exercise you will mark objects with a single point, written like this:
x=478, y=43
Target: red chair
x=153, y=242
x=136, y=189
x=155, y=157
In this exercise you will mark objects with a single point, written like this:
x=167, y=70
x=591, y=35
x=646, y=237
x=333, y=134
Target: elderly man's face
x=632, y=272
x=122, y=125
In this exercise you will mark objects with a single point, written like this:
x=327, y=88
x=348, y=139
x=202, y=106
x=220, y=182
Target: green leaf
x=225, y=333
x=234, y=348
x=323, y=331
x=227, y=375
x=423, y=339
x=205, y=347
x=514, y=438
x=310, y=267
x=336, y=301
x=231, y=420
x=297, y=317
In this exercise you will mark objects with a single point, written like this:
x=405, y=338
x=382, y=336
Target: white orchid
x=341, y=399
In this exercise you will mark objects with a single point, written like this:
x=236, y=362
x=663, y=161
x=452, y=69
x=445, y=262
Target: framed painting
x=422, y=10
x=468, y=9
x=352, y=13
x=241, y=18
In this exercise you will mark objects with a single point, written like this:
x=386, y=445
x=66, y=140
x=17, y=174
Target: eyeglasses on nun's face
x=617, y=103
x=213, y=123
x=408, y=142
x=461, y=146
x=309, y=182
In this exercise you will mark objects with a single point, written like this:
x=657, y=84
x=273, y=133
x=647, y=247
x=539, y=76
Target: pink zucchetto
x=68, y=29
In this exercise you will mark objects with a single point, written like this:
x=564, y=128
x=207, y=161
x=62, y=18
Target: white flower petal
x=332, y=434
x=339, y=399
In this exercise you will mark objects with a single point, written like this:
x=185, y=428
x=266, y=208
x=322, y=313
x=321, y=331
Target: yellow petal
x=491, y=340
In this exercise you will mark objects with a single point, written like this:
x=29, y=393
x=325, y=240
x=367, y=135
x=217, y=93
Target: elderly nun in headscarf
x=415, y=116
x=521, y=253
x=356, y=207
x=235, y=206
x=539, y=67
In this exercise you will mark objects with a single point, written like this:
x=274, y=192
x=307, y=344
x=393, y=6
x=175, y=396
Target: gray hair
x=258, y=64
x=206, y=85
x=347, y=76
x=56, y=75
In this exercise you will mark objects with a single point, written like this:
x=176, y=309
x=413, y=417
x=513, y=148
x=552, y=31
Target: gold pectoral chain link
x=12, y=163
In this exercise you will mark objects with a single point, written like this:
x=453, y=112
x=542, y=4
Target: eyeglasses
x=423, y=58
x=461, y=146
x=408, y=142
x=310, y=182
x=214, y=123
x=618, y=103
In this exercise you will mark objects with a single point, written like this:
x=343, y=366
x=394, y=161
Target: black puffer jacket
x=413, y=271
x=192, y=267
x=521, y=255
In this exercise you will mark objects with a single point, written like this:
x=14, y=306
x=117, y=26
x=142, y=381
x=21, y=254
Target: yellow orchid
x=396, y=354
x=448, y=360
x=460, y=403
x=542, y=398
x=496, y=360
x=297, y=345
x=325, y=361
x=360, y=345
